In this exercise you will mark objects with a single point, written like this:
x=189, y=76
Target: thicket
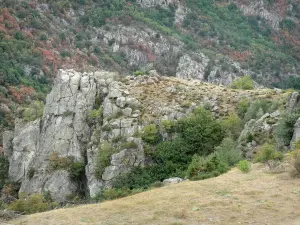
x=198, y=151
x=3, y=170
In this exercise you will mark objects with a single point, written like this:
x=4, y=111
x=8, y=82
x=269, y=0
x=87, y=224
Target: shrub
x=267, y=153
x=244, y=166
x=4, y=165
x=31, y=204
x=106, y=150
x=201, y=132
x=295, y=161
x=202, y=168
x=168, y=126
x=174, y=156
x=233, y=125
x=58, y=162
x=34, y=111
x=65, y=53
x=228, y=152
x=257, y=109
x=150, y=134
x=96, y=114
x=242, y=107
x=245, y=83
x=43, y=37
x=138, y=72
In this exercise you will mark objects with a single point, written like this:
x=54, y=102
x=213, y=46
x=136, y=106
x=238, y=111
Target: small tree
x=269, y=155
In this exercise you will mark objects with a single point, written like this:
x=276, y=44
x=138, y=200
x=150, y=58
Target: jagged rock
x=296, y=134
x=190, y=68
x=294, y=102
x=60, y=186
x=275, y=114
x=62, y=129
x=153, y=3
x=173, y=180
x=121, y=102
x=127, y=111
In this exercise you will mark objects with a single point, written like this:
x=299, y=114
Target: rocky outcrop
x=86, y=110
x=153, y=3
x=257, y=132
x=192, y=67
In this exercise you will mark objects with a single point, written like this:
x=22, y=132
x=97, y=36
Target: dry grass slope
x=234, y=198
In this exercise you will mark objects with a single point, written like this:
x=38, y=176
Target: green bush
x=96, y=114
x=245, y=83
x=244, y=166
x=242, y=107
x=150, y=134
x=257, y=109
x=228, y=152
x=106, y=150
x=233, y=125
x=201, y=132
x=29, y=204
x=268, y=154
x=34, y=111
x=4, y=166
x=206, y=167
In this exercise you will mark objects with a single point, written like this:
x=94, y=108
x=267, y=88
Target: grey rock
x=173, y=180
x=296, y=134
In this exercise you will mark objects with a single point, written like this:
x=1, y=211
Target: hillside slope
x=233, y=198
x=214, y=41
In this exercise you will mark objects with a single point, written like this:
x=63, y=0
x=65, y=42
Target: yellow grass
x=234, y=198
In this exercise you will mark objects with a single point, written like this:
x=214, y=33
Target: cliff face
x=38, y=151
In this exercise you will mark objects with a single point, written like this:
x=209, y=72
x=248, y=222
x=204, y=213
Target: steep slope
x=233, y=198
x=215, y=41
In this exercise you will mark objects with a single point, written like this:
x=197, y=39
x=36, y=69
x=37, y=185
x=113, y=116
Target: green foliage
x=141, y=178
x=233, y=125
x=150, y=134
x=242, y=107
x=288, y=24
x=65, y=53
x=168, y=126
x=173, y=156
x=34, y=111
x=244, y=166
x=139, y=72
x=96, y=113
x=128, y=145
x=43, y=37
x=285, y=129
x=201, y=132
x=206, y=167
x=257, y=109
x=245, y=83
x=268, y=153
x=106, y=150
x=228, y=152
x=29, y=204
x=4, y=166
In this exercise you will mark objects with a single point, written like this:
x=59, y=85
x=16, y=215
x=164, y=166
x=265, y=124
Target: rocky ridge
x=128, y=103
